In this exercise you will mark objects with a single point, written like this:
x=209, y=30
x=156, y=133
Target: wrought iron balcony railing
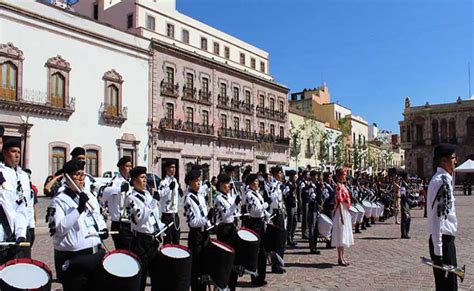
x=237, y=133
x=113, y=114
x=169, y=89
x=185, y=126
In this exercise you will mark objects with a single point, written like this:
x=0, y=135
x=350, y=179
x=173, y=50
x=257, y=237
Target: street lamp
x=25, y=138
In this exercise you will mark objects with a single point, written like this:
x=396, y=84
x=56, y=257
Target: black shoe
x=358, y=231
x=259, y=283
x=304, y=236
x=341, y=263
x=278, y=270
x=363, y=227
x=315, y=251
x=406, y=237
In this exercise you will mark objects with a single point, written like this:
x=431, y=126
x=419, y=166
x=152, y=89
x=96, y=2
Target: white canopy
x=466, y=167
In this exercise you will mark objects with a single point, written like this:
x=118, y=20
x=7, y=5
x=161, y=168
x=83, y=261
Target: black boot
x=357, y=230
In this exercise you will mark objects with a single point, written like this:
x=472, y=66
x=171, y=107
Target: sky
x=371, y=53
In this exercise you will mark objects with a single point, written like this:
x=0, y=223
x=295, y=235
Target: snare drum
x=274, y=238
x=375, y=210
x=324, y=225
x=120, y=270
x=174, y=268
x=354, y=214
x=382, y=208
x=246, y=249
x=367, y=208
x=219, y=262
x=25, y=274
x=360, y=216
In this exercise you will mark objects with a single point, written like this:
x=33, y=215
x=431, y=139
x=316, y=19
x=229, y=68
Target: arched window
x=113, y=94
x=59, y=157
x=452, y=130
x=57, y=90
x=92, y=162
x=444, y=130
x=8, y=81
x=112, y=100
x=470, y=127
x=205, y=172
x=434, y=131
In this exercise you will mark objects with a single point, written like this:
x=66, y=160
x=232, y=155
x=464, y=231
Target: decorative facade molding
x=58, y=63
x=10, y=51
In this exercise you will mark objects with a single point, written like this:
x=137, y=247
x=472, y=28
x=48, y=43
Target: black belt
x=448, y=237
x=145, y=235
x=169, y=214
x=88, y=251
x=202, y=228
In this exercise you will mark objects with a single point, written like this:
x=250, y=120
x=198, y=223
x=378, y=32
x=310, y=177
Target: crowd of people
x=254, y=219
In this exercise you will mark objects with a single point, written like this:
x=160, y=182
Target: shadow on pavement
x=379, y=238
x=310, y=265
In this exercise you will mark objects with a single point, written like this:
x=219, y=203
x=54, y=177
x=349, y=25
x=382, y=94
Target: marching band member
x=195, y=210
x=442, y=221
x=290, y=204
x=256, y=208
x=275, y=187
x=315, y=200
x=145, y=218
x=75, y=223
x=303, y=193
x=13, y=213
x=79, y=153
x=115, y=196
x=170, y=191
x=330, y=202
x=405, y=210
x=17, y=180
x=226, y=208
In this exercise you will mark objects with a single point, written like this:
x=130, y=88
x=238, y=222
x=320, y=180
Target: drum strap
x=70, y=194
x=4, y=221
x=196, y=200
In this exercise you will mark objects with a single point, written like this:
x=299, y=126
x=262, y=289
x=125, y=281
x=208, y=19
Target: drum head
x=175, y=252
x=366, y=204
x=325, y=218
x=247, y=235
x=24, y=276
x=121, y=265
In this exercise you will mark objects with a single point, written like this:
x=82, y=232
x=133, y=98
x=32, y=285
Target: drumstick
x=78, y=190
x=22, y=244
x=101, y=232
x=164, y=229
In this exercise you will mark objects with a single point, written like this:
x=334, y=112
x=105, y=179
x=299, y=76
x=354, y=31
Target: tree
x=343, y=139
x=295, y=133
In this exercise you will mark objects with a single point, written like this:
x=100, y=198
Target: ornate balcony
x=191, y=127
x=113, y=114
x=270, y=114
x=205, y=97
x=169, y=89
x=278, y=140
x=189, y=94
x=242, y=107
x=37, y=102
x=237, y=134
x=223, y=102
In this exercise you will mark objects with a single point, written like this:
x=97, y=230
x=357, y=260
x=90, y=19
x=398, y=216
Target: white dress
x=342, y=233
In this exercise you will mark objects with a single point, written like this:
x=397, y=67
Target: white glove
x=265, y=205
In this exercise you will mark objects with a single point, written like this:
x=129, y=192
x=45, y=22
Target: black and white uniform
x=13, y=219
x=275, y=193
x=303, y=192
x=442, y=227
x=77, y=247
x=146, y=223
x=19, y=181
x=195, y=211
x=119, y=211
x=169, y=205
x=258, y=214
x=405, y=211
x=291, y=202
x=315, y=201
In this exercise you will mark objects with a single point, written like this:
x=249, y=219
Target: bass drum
x=247, y=245
x=25, y=274
x=120, y=270
x=354, y=214
x=174, y=268
x=274, y=239
x=360, y=217
x=219, y=262
x=324, y=225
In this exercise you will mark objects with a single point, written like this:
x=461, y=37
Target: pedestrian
x=342, y=236
x=405, y=210
x=442, y=221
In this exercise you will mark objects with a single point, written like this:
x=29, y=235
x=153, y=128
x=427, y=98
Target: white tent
x=466, y=167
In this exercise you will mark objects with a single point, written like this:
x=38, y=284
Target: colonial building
x=67, y=81
x=425, y=126
x=214, y=101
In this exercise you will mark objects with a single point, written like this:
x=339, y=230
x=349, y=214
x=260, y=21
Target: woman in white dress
x=342, y=225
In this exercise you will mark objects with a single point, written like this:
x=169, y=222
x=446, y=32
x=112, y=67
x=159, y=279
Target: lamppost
x=25, y=138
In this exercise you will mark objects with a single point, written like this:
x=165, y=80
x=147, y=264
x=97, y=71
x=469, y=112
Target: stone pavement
x=379, y=259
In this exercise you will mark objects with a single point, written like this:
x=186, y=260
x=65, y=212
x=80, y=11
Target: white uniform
x=441, y=212
x=169, y=198
x=15, y=211
x=195, y=210
x=144, y=212
x=275, y=194
x=225, y=206
x=115, y=199
x=18, y=182
x=71, y=228
x=255, y=205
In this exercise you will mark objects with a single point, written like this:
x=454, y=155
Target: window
x=57, y=90
x=261, y=102
x=272, y=129
x=129, y=153
x=434, y=132
x=282, y=132
x=130, y=20
x=281, y=106
x=205, y=85
x=223, y=90
x=236, y=94
x=408, y=133
x=189, y=115
x=227, y=52
x=170, y=111
x=95, y=11
x=272, y=104
x=236, y=123
x=252, y=63
x=189, y=81
x=170, y=30
x=452, y=130
x=8, y=81
x=353, y=138
x=59, y=158
x=185, y=36
x=170, y=75
x=247, y=97
x=248, y=126
x=223, y=121
x=262, y=67
x=112, y=104
x=242, y=58
x=444, y=130
x=92, y=164
x=150, y=22
x=216, y=48
x=262, y=128
x=204, y=43
x=205, y=118
x=470, y=127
